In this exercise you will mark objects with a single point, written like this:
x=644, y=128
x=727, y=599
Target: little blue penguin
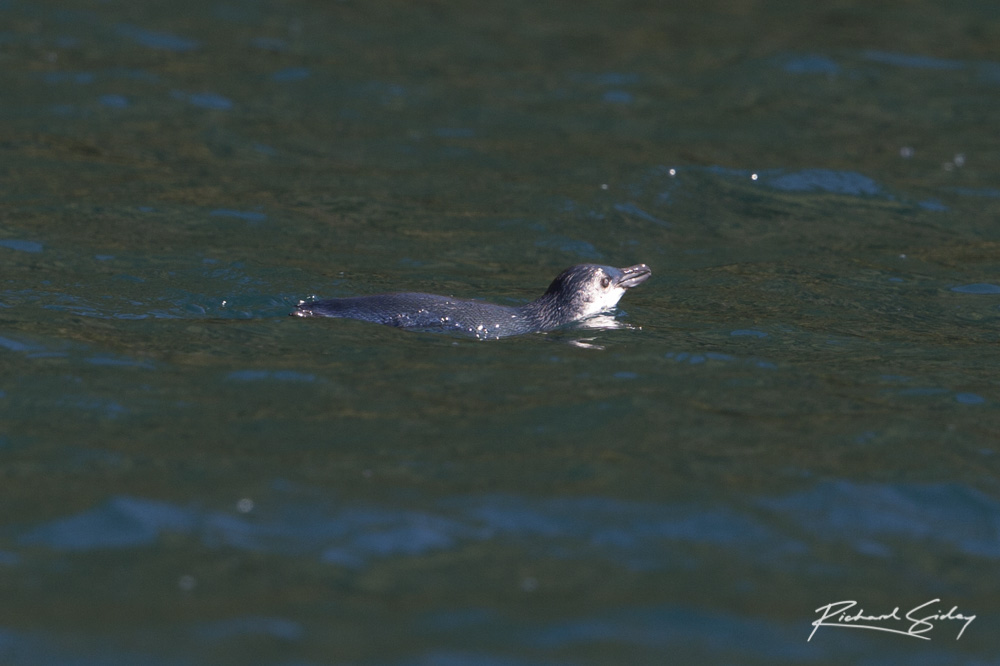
x=577, y=293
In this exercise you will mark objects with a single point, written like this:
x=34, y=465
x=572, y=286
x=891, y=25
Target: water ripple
x=869, y=518
x=156, y=40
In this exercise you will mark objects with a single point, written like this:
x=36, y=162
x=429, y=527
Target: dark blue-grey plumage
x=577, y=293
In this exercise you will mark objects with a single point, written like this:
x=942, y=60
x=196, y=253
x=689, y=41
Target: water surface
x=804, y=411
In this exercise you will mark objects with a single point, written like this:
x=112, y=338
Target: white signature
x=836, y=615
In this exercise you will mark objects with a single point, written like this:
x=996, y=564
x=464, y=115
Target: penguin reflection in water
x=578, y=294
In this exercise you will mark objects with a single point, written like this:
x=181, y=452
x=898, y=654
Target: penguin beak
x=633, y=276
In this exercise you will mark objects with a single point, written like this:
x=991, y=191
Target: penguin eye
x=605, y=281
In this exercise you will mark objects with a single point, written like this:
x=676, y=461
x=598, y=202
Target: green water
x=804, y=411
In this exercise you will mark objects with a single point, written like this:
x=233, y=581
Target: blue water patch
x=466, y=658
x=704, y=357
x=275, y=627
x=726, y=171
x=805, y=180
x=895, y=378
x=635, y=211
x=634, y=535
x=866, y=515
x=204, y=100
x=156, y=40
x=108, y=409
x=626, y=375
x=408, y=534
x=17, y=346
x=618, y=97
x=877, y=520
x=970, y=399
x=21, y=245
x=279, y=375
x=932, y=204
x=118, y=361
x=291, y=74
x=822, y=180
x=679, y=630
x=190, y=307
x=123, y=522
x=637, y=535
x=114, y=101
x=54, y=649
x=913, y=61
x=748, y=332
x=69, y=303
x=79, y=78
x=810, y=64
x=248, y=215
x=977, y=288
x=866, y=437
x=685, y=357
x=989, y=72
